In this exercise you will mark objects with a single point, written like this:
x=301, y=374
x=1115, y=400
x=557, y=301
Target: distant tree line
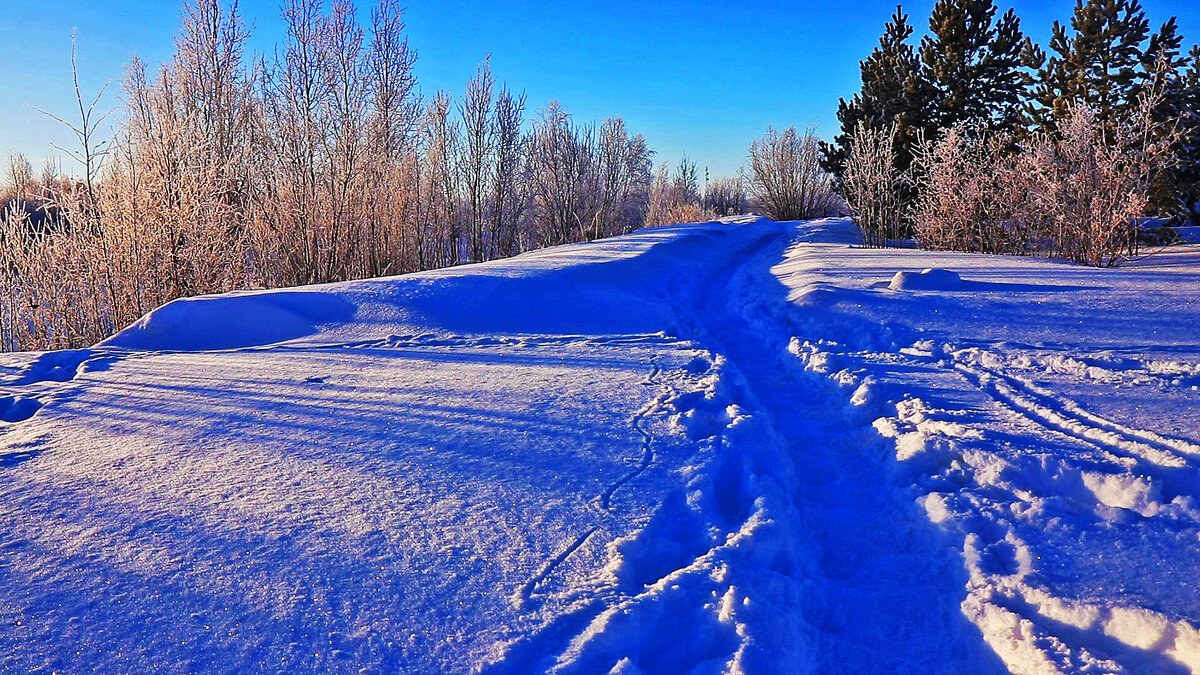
x=320, y=162
x=978, y=139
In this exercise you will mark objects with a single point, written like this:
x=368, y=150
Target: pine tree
x=1162, y=77
x=1186, y=173
x=890, y=94
x=970, y=66
x=1098, y=65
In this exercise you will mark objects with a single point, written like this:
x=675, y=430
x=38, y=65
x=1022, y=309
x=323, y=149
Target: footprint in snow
x=18, y=408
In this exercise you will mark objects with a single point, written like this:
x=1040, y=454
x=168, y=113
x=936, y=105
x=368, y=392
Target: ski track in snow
x=802, y=469
x=1020, y=477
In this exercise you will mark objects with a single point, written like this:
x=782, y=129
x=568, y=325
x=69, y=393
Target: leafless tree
x=19, y=175
x=395, y=110
x=786, y=178
x=560, y=156
x=92, y=148
x=442, y=141
x=476, y=165
x=510, y=193
x=726, y=197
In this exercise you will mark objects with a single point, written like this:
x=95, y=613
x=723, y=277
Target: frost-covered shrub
x=785, y=176
x=1091, y=184
x=1076, y=192
x=872, y=186
x=965, y=197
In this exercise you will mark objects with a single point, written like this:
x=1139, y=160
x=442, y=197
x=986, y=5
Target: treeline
x=321, y=162
x=978, y=139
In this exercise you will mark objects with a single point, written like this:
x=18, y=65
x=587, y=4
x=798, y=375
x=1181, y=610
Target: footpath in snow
x=728, y=447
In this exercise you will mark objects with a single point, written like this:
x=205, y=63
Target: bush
x=785, y=176
x=873, y=186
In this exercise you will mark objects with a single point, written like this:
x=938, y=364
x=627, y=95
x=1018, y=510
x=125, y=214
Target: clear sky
x=703, y=78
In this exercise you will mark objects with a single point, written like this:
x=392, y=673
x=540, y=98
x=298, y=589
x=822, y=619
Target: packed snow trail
x=725, y=447
x=886, y=594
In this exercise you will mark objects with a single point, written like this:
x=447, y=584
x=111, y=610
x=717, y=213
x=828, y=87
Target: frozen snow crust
x=726, y=447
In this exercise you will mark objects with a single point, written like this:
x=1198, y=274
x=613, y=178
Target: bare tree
x=476, y=165
x=395, y=110
x=92, y=148
x=615, y=170
x=672, y=199
x=442, y=140
x=510, y=192
x=560, y=154
x=726, y=197
x=19, y=175
x=786, y=177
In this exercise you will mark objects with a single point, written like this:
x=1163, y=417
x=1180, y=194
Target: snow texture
x=738, y=446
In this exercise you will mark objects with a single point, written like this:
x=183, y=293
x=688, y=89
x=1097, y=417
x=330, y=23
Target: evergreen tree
x=890, y=94
x=1162, y=77
x=1098, y=65
x=970, y=66
x=1186, y=173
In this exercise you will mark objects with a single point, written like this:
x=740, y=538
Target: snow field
x=742, y=447
x=1077, y=529
x=509, y=467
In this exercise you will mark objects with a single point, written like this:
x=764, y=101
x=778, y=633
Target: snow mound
x=929, y=279
x=233, y=320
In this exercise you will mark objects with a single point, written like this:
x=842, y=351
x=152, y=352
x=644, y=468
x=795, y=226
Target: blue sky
x=703, y=78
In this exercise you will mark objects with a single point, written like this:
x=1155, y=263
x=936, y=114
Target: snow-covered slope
x=742, y=446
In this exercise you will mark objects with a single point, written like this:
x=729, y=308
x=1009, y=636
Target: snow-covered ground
x=743, y=446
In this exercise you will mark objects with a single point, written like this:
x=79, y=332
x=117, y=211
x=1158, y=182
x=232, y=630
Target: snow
x=926, y=280
x=739, y=446
x=1189, y=234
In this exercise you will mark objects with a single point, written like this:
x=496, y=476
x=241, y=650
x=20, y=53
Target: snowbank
x=617, y=285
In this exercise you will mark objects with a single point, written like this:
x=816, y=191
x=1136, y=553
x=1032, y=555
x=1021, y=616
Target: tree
x=509, y=192
x=560, y=154
x=476, y=165
x=1170, y=78
x=92, y=149
x=442, y=139
x=872, y=186
x=726, y=197
x=1096, y=66
x=891, y=94
x=786, y=177
x=618, y=166
x=686, y=183
x=1187, y=151
x=19, y=175
x=970, y=66
x=395, y=110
